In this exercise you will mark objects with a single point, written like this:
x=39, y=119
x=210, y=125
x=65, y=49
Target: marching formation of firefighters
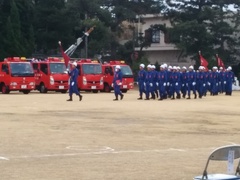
x=172, y=82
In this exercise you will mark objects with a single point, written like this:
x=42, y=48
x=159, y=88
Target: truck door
x=5, y=68
x=37, y=74
x=44, y=68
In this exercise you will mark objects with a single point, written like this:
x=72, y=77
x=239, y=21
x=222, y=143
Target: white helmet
x=75, y=64
x=142, y=65
x=118, y=67
x=153, y=67
x=162, y=66
x=191, y=67
x=184, y=68
x=149, y=66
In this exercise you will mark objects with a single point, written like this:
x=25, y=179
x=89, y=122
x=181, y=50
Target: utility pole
x=86, y=40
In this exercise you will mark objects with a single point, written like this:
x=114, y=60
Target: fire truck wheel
x=95, y=91
x=124, y=91
x=5, y=89
x=107, y=88
x=43, y=88
x=64, y=91
x=26, y=92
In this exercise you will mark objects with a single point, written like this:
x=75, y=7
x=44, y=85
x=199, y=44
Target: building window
x=156, y=36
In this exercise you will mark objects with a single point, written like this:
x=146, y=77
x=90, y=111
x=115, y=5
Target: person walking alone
x=117, y=82
x=73, y=87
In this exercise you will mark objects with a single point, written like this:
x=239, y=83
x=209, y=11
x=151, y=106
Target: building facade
x=160, y=50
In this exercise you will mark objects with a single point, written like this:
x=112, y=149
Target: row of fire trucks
x=20, y=74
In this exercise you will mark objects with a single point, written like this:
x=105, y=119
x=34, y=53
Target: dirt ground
x=43, y=137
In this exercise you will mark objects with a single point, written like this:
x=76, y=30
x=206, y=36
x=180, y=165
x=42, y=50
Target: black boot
x=121, y=96
x=178, y=96
x=153, y=96
x=80, y=97
x=116, y=99
x=173, y=97
x=188, y=97
x=195, y=96
x=140, y=98
x=70, y=99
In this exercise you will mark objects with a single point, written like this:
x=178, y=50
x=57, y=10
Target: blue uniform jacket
x=141, y=76
x=117, y=77
x=73, y=76
x=191, y=77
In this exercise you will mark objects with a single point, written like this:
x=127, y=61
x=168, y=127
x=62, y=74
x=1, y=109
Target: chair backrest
x=222, y=154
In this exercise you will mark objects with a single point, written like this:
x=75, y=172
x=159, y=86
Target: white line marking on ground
x=4, y=158
x=99, y=150
x=180, y=150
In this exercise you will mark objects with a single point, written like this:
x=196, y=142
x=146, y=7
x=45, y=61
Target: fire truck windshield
x=126, y=71
x=92, y=69
x=21, y=69
x=57, y=68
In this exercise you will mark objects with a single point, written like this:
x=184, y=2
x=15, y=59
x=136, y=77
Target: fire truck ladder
x=74, y=46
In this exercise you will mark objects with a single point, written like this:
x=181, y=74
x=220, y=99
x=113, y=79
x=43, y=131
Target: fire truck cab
x=108, y=71
x=90, y=75
x=51, y=75
x=16, y=74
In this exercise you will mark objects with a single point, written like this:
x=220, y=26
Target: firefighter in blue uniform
x=229, y=80
x=222, y=80
x=117, y=82
x=175, y=83
x=73, y=86
x=162, y=83
x=206, y=79
x=184, y=81
x=155, y=82
x=149, y=82
x=191, y=82
x=169, y=83
x=200, y=81
x=214, y=81
x=141, y=80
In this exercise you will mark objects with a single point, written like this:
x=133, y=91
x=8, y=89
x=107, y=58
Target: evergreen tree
x=51, y=25
x=13, y=37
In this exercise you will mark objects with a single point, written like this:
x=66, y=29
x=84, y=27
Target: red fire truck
x=16, y=74
x=90, y=75
x=51, y=75
x=108, y=71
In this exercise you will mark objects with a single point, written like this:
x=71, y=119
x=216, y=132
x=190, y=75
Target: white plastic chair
x=222, y=154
